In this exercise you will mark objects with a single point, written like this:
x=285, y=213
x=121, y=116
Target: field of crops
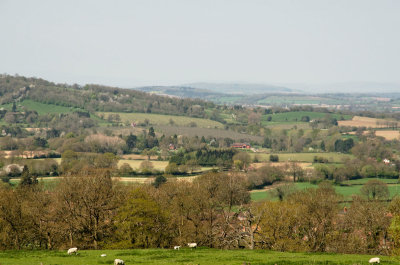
x=388, y=135
x=135, y=164
x=159, y=119
x=367, y=122
x=184, y=257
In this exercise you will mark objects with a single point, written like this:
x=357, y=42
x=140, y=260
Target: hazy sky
x=161, y=42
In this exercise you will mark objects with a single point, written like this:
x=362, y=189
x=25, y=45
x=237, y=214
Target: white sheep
x=119, y=262
x=177, y=247
x=192, y=245
x=72, y=250
x=375, y=260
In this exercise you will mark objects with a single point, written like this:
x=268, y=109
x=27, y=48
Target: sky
x=170, y=42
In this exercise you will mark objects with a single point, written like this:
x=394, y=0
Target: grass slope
x=41, y=108
x=183, y=256
x=160, y=119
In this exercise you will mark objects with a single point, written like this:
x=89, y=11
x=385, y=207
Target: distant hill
x=181, y=91
x=95, y=98
x=349, y=87
x=241, y=88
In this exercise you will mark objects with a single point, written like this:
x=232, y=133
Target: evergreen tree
x=323, y=146
x=26, y=178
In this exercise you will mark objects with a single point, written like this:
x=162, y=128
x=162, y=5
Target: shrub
x=274, y=158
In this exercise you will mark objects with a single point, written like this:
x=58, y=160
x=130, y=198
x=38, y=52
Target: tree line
x=92, y=210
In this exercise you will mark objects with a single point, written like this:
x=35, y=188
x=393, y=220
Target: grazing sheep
x=103, y=255
x=177, y=247
x=72, y=250
x=119, y=262
x=375, y=260
x=192, y=245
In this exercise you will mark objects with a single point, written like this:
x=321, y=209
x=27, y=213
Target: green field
x=353, y=188
x=305, y=157
x=295, y=116
x=184, y=256
x=41, y=108
x=159, y=119
x=364, y=180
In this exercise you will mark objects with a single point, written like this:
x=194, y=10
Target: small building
x=241, y=145
x=171, y=147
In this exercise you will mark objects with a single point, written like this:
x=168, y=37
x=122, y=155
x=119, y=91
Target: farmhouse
x=171, y=147
x=241, y=145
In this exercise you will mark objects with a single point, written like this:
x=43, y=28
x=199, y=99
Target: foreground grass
x=183, y=256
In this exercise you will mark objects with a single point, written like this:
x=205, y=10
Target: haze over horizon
x=138, y=43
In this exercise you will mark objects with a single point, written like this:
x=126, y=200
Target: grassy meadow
x=299, y=99
x=184, y=257
x=41, y=108
x=295, y=116
x=206, y=132
x=350, y=187
x=305, y=157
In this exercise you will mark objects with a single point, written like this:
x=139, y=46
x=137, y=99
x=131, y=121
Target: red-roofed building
x=241, y=145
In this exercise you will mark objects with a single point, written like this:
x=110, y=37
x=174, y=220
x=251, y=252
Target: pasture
x=207, y=132
x=184, y=256
x=298, y=99
x=295, y=116
x=160, y=119
x=367, y=122
x=351, y=187
x=304, y=157
x=41, y=108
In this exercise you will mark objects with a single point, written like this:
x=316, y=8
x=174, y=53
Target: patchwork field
x=159, y=119
x=184, y=257
x=367, y=122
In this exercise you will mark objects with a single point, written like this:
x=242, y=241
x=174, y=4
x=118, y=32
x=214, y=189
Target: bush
x=320, y=159
x=274, y=158
x=159, y=181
